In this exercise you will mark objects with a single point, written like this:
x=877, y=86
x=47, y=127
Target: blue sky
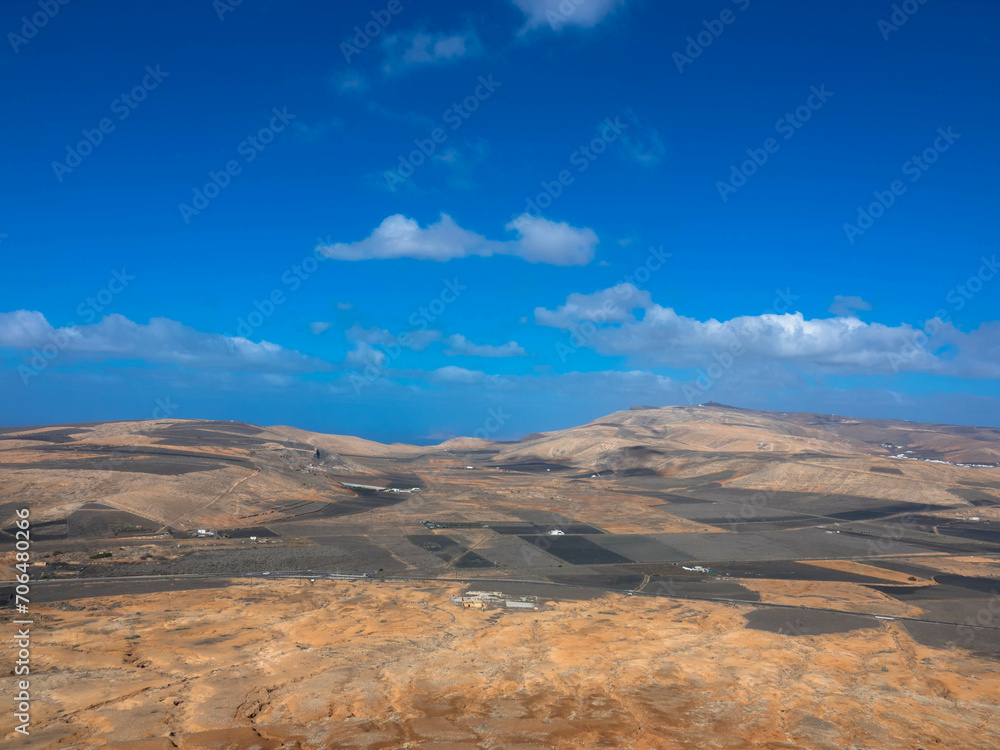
x=408, y=222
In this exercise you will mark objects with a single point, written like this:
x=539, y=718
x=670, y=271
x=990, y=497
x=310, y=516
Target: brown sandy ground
x=293, y=664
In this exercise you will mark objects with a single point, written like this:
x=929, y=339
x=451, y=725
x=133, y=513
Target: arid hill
x=187, y=474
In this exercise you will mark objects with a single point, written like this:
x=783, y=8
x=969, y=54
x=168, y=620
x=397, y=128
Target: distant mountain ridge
x=178, y=472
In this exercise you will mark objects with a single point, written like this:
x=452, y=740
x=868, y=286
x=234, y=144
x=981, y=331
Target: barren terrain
x=374, y=665
x=703, y=577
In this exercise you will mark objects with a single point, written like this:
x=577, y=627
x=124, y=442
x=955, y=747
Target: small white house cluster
x=494, y=600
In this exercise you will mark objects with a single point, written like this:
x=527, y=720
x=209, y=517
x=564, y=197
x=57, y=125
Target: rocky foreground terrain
x=377, y=665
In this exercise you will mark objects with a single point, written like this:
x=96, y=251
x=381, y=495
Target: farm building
x=494, y=600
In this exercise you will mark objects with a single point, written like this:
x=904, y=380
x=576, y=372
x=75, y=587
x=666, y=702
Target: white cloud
x=364, y=354
x=840, y=345
x=351, y=82
x=24, y=329
x=400, y=237
x=556, y=243
x=975, y=354
x=461, y=161
x=459, y=346
x=848, y=307
x=637, y=386
x=319, y=131
x=641, y=142
x=456, y=375
x=645, y=148
x=406, y=50
x=161, y=340
x=539, y=240
x=320, y=327
x=414, y=340
x=408, y=118
x=614, y=305
x=558, y=14
x=366, y=340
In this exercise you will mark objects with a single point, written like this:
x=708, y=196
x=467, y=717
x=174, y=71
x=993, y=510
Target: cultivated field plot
x=345, y=507
x=450, y=551
x=576, y=550
x=806, y=544
x=162, y=465
x=807, y=623
x=640, y=548
x=514, y=553
x=62, y=435
x=96, y=520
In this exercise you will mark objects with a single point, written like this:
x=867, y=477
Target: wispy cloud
x=642, y=144
x=614, y=305
x=640, y=141
x=366, y=340
x=416, y=341
x=538, y=240
x=848, y=307
x=417, y=48
x=410, y=119
x=559, y=14
x=160, y=341
x=459, y=346
x=456, y=375
x=306, y=133
x=461, y=160
x=351, y=81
